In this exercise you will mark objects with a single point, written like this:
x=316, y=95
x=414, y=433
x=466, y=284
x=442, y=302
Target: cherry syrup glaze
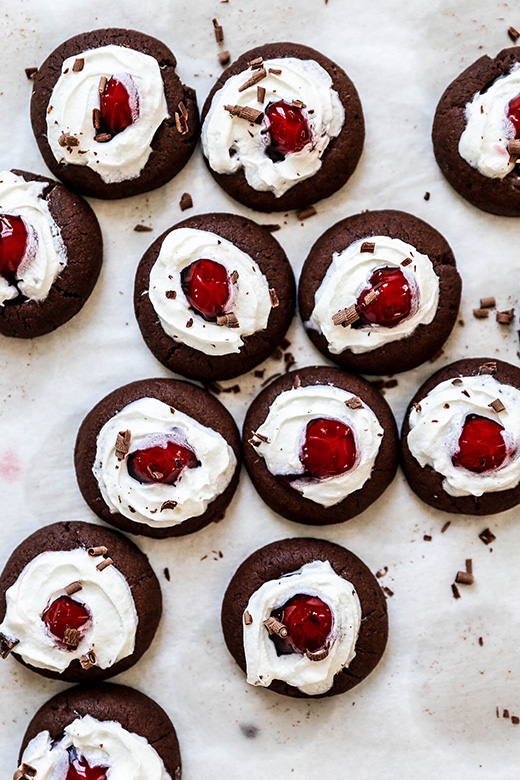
x=13, y=245
x=161, y=464
x=118, y=107
x=481, y=445
x=80, y=769
x=207, y=287
x=329, y=448
x=288, y=130
x=64, y=613
x=393, y=301
x=308, y=621
x=513, y=113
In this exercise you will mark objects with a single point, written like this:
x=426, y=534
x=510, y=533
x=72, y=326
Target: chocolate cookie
x=248, y=307
x=127, y=559
x=318, y=120
x=417, y=292
x=498, y=191
x=162, y=119
x=44, y=225
x=278, y=559
x=118, y=704
x=357, y=445
x=463, y=424
x=172, y=492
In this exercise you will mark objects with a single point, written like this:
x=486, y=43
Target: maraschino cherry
x=513, y=113
x=118, y=108
x=13, y=245
x=392, y=302
x=206, y=285
x=308, y=621
x=288, y=129
x=481, y=445
x=329, y=448
x=80, y=769
x=161, y=464
x=64, y=613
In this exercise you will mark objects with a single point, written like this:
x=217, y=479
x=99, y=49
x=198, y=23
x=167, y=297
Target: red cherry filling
x=206, y=285
x=80, y=769
x=288, y=129
x=116, y=109
x=308, y=621
x=513, y=113
x=65, y=613
x=481, y=445
x=329, y=448
x=161, y=464
x=13, y=245
x=387, y=300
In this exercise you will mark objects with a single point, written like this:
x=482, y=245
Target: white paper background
x=429, y=709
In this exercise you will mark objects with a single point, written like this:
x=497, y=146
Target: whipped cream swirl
x=348, y=275
x=153, y=423
x=230, y=143
x=483, y=144
x=249, y=301
x=76, y=94
x=45, y=254
x=437, y=421
x=285, y=426
x=311, y=677
x=126, y=756
x=110, y=633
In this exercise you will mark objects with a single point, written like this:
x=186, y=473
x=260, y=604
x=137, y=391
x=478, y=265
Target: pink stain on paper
x=10, y=467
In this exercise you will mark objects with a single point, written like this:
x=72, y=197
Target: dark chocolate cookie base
x=497, y=196
x=128, y=559
x=427, y=483
x=191, y=400
x=287, y=501
x=83, y=242
x=340, y=157
x=135, y=712
x=170, y=150
x=279, y=558
x=260, y=245
x=426, y=340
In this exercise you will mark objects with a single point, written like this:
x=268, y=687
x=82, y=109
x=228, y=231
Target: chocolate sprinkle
x=186, y=201
x=368, y=246
x=445, y=526
x=170, y=504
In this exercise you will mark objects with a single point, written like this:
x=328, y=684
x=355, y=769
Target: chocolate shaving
x=105, y=563
x=166, y=572
x=455, y=591
x=79, y=64
x=388, y=592
x=189, y=324
x=95, y=552
x=224, y=57
x=513, y=34
x=297, y=382
x=171, y=294
x=464, y=578
x=246, y=112
x=257, y=76
x=181, y=119
x=505, y=714
x=71, y=637
x=368, y=246
x=275, y=627
x=142, y=228
x=370, y=296
x=31, y=73
x=481, y=314
x=122, y=444
x=261, y=437
x=457, y=381
x=170, y=504
x=247, y=618
x=102, y=84
x=7, y=645
x=505, y=317
x=515, y=720
x=427, y=538
x=272, y=228
x=234, y=277
x=407, y=261
x=88, y=660
x=318, y=656
x=485, y=368
x=417, y=407
x=256, y=63
x=469, y=565
x=298, y=104
x=228, y=320
x=260, y=94
x=186, y=201
x=487, y=536
x=274, y=298
x=513, y=147
x=481, y=641
x=354, y=403
x=346, y=317
x=74, y=587
x=103, y=138
x=426, y=196
x=275, y=71
x=445, y=526
x=488, y=303
x=25, y=772
x=497, y=405
x=219, y=32
x=306, y=213
x=66, y=139
x=465, y=392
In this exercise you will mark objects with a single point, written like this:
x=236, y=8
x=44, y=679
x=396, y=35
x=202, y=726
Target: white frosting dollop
x=45, y=254
x=153, y=423
x=483, y=144
x=126, y=755
x=111, y=631
x=250, y=301
x=348, y=275
x=311, y=677
x=76, y=94
x=436, y=425
x=230, y=143
x=284, y=428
